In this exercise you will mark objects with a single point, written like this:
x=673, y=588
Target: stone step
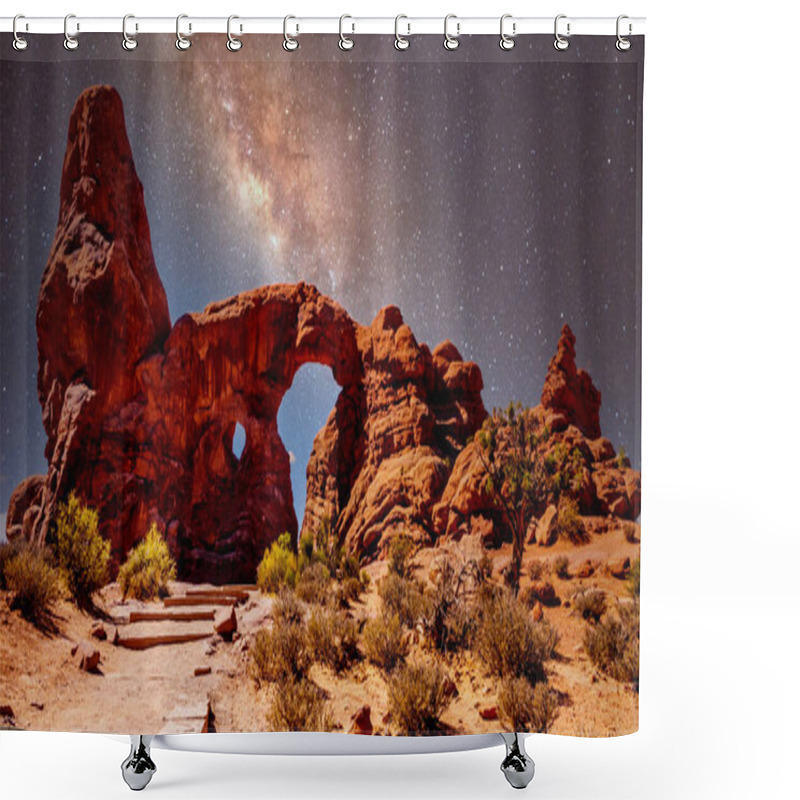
x=188, y=614
x=234, y=594
x=192, y=717
x=143, y=635
x=199, y=600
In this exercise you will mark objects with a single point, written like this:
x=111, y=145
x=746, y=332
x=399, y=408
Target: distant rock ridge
x=140, y=414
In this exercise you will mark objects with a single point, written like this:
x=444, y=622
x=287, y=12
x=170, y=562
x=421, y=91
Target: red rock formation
x=569, y=392
x=140, y=415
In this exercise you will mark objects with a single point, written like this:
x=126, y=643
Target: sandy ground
x=155, y=690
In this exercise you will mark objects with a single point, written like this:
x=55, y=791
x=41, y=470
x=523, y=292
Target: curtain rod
x=297, y=26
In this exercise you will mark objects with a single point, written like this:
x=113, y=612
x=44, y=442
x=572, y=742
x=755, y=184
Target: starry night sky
x=492, y=196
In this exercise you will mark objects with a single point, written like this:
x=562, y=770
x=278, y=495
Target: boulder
x=538, y=612
x=87, y=656
x=488, y=713
x=620, y=568
x=98, y=630
x=544, y=530
x=225, y=622
x=362, y=722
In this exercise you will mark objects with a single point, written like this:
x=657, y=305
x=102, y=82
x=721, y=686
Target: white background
x=721, y=538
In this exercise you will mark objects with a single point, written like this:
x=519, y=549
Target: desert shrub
x=148, y=568
x=81, y=551
x=417, y=697
x=402, y=596
x=384, y=641
x=305, y=552
x=622, y=458
x=314, y=584
x=613, y=645
x=527, y=708
x=7, y=551
x=569, y=523
x=288, y=608
x=536, y=569
x=634, y=579
x=35, y=582
x=332, y=637
x=509, y=642
x=280, y=652
x=447, y=615
x=590, y=604
x=278, y=567
x=401, y=549
x=561, y=567
x=298, y=705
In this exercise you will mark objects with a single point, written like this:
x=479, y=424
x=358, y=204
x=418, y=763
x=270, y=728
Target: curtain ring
x=233, y=44
x=560, y=43
x=451, y=42
x=400, y=42
x=181, y=41
x=623, y=43
x=345, y=43
x=128, y=42
x=290, y=43
x=19, y=43
x=70, y=42
x=507, y=42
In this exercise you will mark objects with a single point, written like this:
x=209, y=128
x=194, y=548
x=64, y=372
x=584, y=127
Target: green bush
x=298, y=705
x=332, y=638
x=402, y=596
x=35, y=582
x=384, y=641
x=81, y=551
x=509, y=642
x=561, y=567
x=401, y=549
x=569, y=523
x=280, y=652
x=278, y=567
x=148, y=569
x=613, y=645
x=417, y=698
x=527, y=708
x=314, y=584
x=590, y=604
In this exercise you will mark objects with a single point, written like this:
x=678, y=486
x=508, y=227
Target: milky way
x=491, y=196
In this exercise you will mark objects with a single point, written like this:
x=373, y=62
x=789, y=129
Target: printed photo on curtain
x=320, y=385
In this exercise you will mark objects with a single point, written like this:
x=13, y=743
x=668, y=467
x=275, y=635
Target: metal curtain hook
x=623, y=43
x=70, y=42
x=290, y=43
x=233, y=44
x=345, y=43
x=560, y=43
x=128, y=42
x=507, y=42
x=181, y=41
x=19, y=43
x=451, y=42
x=400, y=42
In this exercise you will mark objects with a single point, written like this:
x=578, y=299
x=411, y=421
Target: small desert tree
x=510, y=446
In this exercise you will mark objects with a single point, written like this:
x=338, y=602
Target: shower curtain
x=320, y=385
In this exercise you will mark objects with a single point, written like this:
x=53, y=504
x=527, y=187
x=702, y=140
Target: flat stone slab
x=188, y=718
x=200, y=600
x=142, y=635
x=190, y=614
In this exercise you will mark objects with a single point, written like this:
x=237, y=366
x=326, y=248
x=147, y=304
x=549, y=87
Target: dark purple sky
x=492, y=196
